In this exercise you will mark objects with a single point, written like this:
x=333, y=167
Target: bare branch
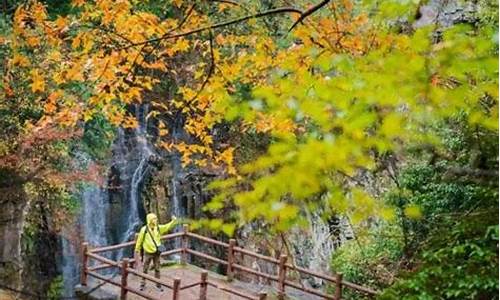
x=309, y=12
x=210, y=70
x=134, y=63
x=219, y=25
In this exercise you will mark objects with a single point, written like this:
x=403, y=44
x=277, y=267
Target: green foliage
x=98, y=137
x=460, y=262
x=372, y=258
x=374, y=103
x=56, y=288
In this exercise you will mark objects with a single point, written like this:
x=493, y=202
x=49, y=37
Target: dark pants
x=148, y=258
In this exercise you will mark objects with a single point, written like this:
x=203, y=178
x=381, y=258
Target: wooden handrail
x=232, y=291
x=206, y=239
x=149, y=277
x=103, y=259
x=254, y=272
x=359, y=288
x=308, y=290
x=113, y=247
x=141, y=293
x=256, y=255
x=103, y=278
x=281, y=278
x=188, y=286
x=131, y=243
x=206, y=256
x=100, y=267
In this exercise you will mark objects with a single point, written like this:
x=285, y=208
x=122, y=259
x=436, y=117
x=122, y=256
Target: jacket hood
x=150, y=218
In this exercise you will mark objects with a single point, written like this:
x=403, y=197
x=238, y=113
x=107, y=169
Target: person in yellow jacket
x=149, y=243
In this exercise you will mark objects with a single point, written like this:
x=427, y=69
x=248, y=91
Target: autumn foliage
x=334, y=94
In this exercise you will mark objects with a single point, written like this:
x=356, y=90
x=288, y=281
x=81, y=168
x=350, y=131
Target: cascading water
x=143, y=153
x=134, y=167
x=129, y=164
x=91, y=223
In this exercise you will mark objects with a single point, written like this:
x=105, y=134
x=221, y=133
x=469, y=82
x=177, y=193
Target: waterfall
x=91, y=223
x=141, y=153
x=97, y=223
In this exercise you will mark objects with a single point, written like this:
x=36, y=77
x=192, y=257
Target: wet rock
x=88, y=293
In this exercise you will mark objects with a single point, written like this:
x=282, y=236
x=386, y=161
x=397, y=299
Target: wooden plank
x=170, y=252
x=130, y=289
x=99, y=267
x=103, y=259
x=172, y=235
x=141, y=293
x=230, y=259
x=348, y=284
x=203, y=285
x=282, y=276
x=232, y=291
x=206, y=256
x=257, y=273
x=256, y=255
x=103, y=278
x=112, y=247
x=208, y=240
x=131, y=243
x=123, y=292
x=312, y=273
x=149, y=277
x=308, y=290
x=359, y=288
x=175, y=291
x=188, y=286
x=185, y=244
x=83, y=278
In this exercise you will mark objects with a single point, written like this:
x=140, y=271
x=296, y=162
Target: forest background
x=380, y=113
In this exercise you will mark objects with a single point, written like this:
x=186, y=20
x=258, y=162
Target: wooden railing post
x=85, y=258
x=262, y=296
x=203, y=285
x=185, y=245
x=123, y=294
x=175, y=290
x=338, y=286
x=230, y=259
x=282, y=277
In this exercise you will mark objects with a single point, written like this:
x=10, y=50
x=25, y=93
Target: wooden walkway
x=191, y=274
x=185, y=281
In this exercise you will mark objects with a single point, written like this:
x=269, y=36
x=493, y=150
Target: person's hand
x=174, y=218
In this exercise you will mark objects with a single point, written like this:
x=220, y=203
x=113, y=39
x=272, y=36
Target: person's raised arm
x=167, y=227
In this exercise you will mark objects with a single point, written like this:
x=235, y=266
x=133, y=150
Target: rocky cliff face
x=14, y=203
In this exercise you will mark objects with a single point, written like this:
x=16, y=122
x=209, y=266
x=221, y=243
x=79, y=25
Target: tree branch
x=309, y=12
x=134, y=63
x=218, y=25
x=210, y=70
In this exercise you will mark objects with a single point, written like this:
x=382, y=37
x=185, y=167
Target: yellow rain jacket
x=145, y=238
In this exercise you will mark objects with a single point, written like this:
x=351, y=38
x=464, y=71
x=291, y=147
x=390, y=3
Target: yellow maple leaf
x=61, y=22
x=181, y=45
x=130, y=122
x=177, y=3
x=38, y=84
x=33, y=41
x=20, y=60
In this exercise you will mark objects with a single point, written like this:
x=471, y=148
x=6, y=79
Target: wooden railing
x=126, y=267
